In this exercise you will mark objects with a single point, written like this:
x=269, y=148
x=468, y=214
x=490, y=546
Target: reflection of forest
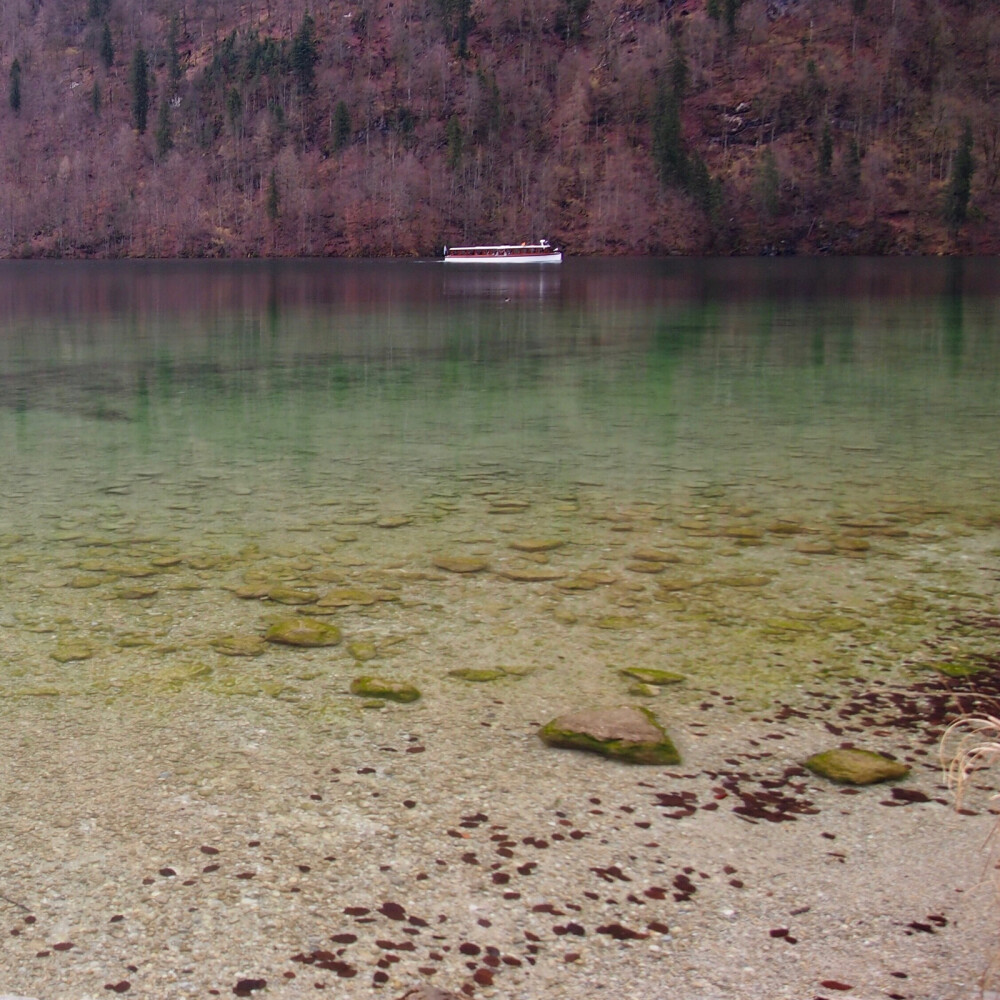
x=197, y=321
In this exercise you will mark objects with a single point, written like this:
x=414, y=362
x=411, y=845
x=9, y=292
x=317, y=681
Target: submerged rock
x=460, y=564
x=291, y=595
x=71, y=650
x=237, y=645
x=627, y=733
x=478, y=674
x=536, y=544
x=649, y=675
x=376, y=687
x=303, y=632
x=855, y=767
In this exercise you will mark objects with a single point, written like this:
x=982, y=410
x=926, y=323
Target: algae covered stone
x=649, y=675
x=855, y=767
x=628, y=733
x=478, y=675
x=376, y=687
x=303, y=632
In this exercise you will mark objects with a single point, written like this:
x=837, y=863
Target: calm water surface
x=809, y=447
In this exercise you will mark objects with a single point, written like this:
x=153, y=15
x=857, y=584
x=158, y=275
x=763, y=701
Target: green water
x=813, y=444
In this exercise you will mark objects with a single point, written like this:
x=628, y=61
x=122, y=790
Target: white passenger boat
x=541, y=252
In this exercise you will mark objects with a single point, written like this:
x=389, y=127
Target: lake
x=503, y=487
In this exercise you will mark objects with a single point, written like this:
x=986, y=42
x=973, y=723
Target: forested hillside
x=378, y=127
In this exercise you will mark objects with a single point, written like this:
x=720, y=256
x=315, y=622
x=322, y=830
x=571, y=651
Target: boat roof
x=542, y=245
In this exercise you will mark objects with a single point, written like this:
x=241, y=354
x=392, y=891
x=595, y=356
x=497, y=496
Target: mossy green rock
x=362, y=650
x=303, y=632
x=237, y=645
x=376, y=687
x=647, y=675
x=628, y=733
x=855, y=767
x=478, y=674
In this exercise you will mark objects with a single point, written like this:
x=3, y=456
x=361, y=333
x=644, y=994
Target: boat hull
x=552, y=257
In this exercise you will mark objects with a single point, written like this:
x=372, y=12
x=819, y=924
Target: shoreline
x=540, y=873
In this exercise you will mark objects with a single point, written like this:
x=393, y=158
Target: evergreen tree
x=234, y=109
x=164, y=134
x=852, y=163
x=679, y=72
x=956, y=203
x=340, y=127
x=15, y=86
x=139, y=78
x=106, y=47
x=730, y=8
x=173, y=55
x=455, y=137
x=97, y=9
x=824, y=159
x=574, y=15
x=273, y=205
x=305, y=55
x=767, y=184
x=667, y=141
x=95, y=99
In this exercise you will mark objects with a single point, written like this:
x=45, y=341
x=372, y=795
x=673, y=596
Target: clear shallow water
x=314, y=423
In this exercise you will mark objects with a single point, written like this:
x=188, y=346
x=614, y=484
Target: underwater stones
x=343, y=597
x=743, y=532
x=291, y=595
x=748, y=580
x=362, y=651
x=851, y=543
x=628, y=733
x=536, y=544
x=653, y=555
x=815, y=547
x=617, y=623
x=478, y=674
x=587, y=580
x=644, y=566
x=135, y=593
x=649, y=675
x=508, y=506
x=786, y=527
x=238, y=645
x=530, y=574
x=392, y=522
x=305, y=632
x=377, y=687
x=460, y=564
x=71, y=650
x=855, y=767
x=85, y=581
x=958, y=668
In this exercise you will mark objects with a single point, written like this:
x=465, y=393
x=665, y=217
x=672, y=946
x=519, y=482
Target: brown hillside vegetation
x=391, y=127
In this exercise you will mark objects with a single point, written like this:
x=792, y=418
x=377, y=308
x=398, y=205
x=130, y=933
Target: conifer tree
x=107, y=47
x=824, y=158
x=173, y=55
x=956, y=204
x=95, y=99
x=273, y=198
x=15, y=86
x=139, y=78
x=164, y=133
x=668, y=143
x=340, y=129
x=305, y=55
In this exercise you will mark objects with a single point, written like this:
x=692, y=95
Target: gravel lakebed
x=188, y=811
